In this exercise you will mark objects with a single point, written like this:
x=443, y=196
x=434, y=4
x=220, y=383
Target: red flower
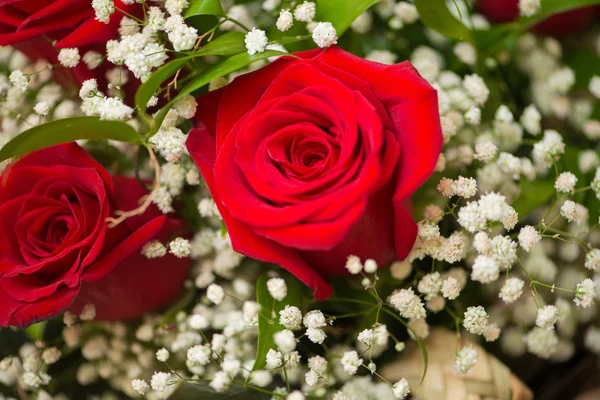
x=57, y=253
x=501, y=11
x=311, y=160
x=71, y=22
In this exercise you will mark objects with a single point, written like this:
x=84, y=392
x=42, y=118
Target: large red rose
x=57, y=252
x=501, y=11
x=312, y=159
x=72, y=22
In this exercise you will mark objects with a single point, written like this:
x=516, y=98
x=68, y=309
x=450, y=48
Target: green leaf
x=67, y=130
x=204, y=7
x=224, y=45
x=268, y=319
x=341, y=13
x=533, y=195
x=417, y=338
x=225, y=67
x=436, y=15
x=493, y=39
x=551, y=7
x=36, y=331
x=201, y=390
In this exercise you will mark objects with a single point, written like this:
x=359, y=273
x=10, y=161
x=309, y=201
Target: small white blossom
x=305, y=12
x=475, y=320
x=466, y=53
x=291, y=318
x=566, y=182
x=528, y=8
x=316, y=335
x=408, y=304
x=163, y=355
x=315, y=319
x=140, y=386
x=277, y=288
x=274, y=359
x=450, y=288
x=541, y=342
x=492, y=332
x=351, y=361
x=547, y=317
x=160, y=381
x=465, y=360
x=476, y=88
x=592, y=260
x=585, y=293
x=215, y=293
x=285, y=20
x=285, y=341
x=485, y=269
x=317, y=364
x=512, y=290
x=92, y=59
x=19, y=80
x=324, y=35
x=256, y=41
x=401, y=389
x=529, y=237
x=42, y=108
x=430, y=285
x=199, y=354
x=354, y=265
x=69, y=58
x=406, y=12
x=103, y=9
x=180, y=247
x=569, y=210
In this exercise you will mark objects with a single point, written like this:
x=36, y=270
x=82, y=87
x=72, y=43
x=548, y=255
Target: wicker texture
x=489, y=379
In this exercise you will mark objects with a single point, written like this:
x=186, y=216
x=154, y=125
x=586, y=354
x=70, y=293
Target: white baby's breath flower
x=566, y=182
x=351, y=361
x=291, y=318
x=475, y=320
x=103, y=9
x=305, y=12
x=324, y=35
x=547, y=317
x=585, y=293
x=541, y=342
x=277, y=288
x=465, y=360
x=285, y=20
x=256, y=41
x=215, y=293
x=408, y=304
x=529, y=237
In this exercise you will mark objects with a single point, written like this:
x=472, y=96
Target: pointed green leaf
x=341, y=13
x=436, y=15
x=204, y=7
x=268, y=320
x=67, y=130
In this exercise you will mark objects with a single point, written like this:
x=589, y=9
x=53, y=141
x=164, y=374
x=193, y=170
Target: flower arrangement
x=287, y=199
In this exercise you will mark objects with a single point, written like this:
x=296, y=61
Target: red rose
x=72, y=22
x=31, y=26
x=57, y=253
x=501, y=11
x=313, y=159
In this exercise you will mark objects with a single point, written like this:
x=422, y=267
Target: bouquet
x=289, y=199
